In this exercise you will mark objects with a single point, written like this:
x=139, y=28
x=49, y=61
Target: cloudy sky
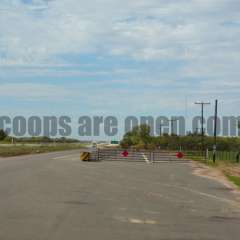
x=118, y=57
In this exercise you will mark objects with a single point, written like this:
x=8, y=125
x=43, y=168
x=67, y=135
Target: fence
x=220, y=156
x=224, y=156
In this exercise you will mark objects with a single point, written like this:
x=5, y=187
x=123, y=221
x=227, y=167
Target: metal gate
x=133, y=155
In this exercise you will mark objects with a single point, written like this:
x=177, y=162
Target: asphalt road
x=57, y=197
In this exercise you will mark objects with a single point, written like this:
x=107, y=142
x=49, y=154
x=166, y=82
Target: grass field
x=8, y=150
x=234, y=179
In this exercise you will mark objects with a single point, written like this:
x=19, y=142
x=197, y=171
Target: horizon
x=110, y=128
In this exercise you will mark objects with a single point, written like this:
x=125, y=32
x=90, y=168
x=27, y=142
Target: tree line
x=141, y=138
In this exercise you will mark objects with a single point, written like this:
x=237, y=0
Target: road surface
x=57, y=197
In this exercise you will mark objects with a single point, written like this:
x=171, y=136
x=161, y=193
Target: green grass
x=24, y=149
x=234, y=179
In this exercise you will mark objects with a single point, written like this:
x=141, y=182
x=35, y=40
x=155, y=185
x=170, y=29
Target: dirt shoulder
x=218, y=173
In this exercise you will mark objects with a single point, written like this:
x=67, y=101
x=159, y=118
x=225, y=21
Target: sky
x=119, y=57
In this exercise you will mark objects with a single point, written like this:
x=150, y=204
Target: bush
x=3, y=135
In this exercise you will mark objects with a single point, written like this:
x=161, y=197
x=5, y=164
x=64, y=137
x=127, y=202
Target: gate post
x=97, y=154
x=152, y=157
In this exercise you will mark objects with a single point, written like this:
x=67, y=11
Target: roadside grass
x=234, y=179
x=25, y=149
x=229, y=167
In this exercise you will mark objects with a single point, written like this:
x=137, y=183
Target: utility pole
x=202, y=120
x=215, y=131
x=172, y=121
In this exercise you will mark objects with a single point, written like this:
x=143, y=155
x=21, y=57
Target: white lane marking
x=209, y=195
x=145, y=158
x=221, y=199
x=139, y=221
x=136, y=220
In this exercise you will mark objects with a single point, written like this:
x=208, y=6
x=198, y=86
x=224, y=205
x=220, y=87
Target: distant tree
x=3, y=135
x=139, y=137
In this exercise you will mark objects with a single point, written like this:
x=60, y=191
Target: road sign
x=179, y=155
x=125, y=153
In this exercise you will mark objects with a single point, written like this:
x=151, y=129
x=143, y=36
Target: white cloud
x=203, y=35
x=144, y=30
x=34, y=91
